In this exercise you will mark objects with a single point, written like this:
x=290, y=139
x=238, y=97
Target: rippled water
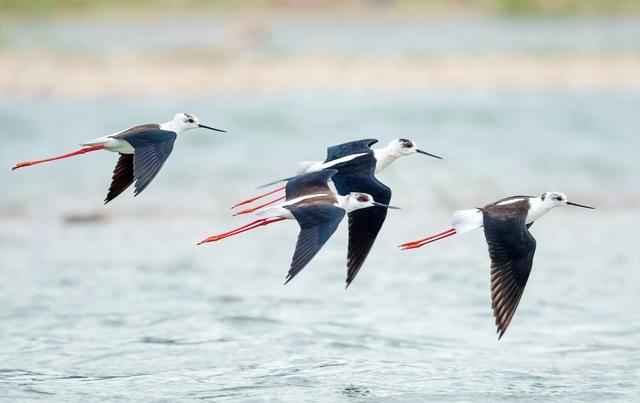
x=118, y=303
x=126, y=306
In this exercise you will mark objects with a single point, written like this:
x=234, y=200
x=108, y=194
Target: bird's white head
x=356, y=201
x=183, y=121
x=396, y=149
x=555, y=199
x=402, y=147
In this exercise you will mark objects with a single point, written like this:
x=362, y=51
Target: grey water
x=117, y=302
x=126, y=306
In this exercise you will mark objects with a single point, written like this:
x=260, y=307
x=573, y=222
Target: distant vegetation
x=510, y=7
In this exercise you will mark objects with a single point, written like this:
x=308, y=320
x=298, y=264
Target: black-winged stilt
x=318, y=211
x=143, y=150
x=339, y=155
x=511, y=246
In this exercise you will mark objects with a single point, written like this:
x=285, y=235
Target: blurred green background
x=492, y=6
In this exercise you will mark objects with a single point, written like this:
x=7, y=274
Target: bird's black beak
x=212, y=128
x=385, y=206
x=580, y=205
x=430, y=155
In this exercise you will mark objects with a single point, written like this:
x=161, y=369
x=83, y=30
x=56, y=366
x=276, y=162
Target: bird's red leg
x=252, y=225
x=427, y=240
x=251, y=210
x=258, y=197
x=80, y=151
x=421, y=244
x=429, y=237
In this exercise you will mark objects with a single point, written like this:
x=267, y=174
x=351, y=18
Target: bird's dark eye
x=190, y=120
x=363, y=198
x=558, y=198
x=406, y=143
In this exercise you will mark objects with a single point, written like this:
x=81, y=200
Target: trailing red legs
x=252, y=225
x=259, y=197
x=78, y=152
x=251, y=210
x=421, y=242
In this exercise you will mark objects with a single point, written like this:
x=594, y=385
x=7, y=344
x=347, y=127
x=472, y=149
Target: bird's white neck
x=384, y=157
x=537, y=209
x=347, y=204
x=172, y=127
x=342, y=202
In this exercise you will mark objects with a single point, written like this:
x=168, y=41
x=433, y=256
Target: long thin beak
x=430, y=155
x=580, y=205
x=385, y=206
x=212, y=128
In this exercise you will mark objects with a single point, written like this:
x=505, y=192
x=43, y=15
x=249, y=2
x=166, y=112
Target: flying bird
x=506, y=226
x=143, y=150
x=318, y=211
x=340, y=155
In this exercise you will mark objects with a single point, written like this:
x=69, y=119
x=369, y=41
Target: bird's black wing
x=152, y=148
x=122, y=177
x=311, y=183
x=511, y=249
x=350, y=148
x=358, y=175
x=317, y=224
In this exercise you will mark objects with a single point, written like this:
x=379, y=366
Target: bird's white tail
x=270, y=212
x=100, y=141
x=303, y=166
x=466, y=220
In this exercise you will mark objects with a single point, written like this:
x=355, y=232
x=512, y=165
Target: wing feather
x=511, y=249
x=152, y=146
x=364, y=224
x=122, y=177
x=350, y=148
x=311, y=183
x=317, y=224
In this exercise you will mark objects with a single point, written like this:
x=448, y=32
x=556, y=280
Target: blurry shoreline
x=278, y=47
x=47, y=74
